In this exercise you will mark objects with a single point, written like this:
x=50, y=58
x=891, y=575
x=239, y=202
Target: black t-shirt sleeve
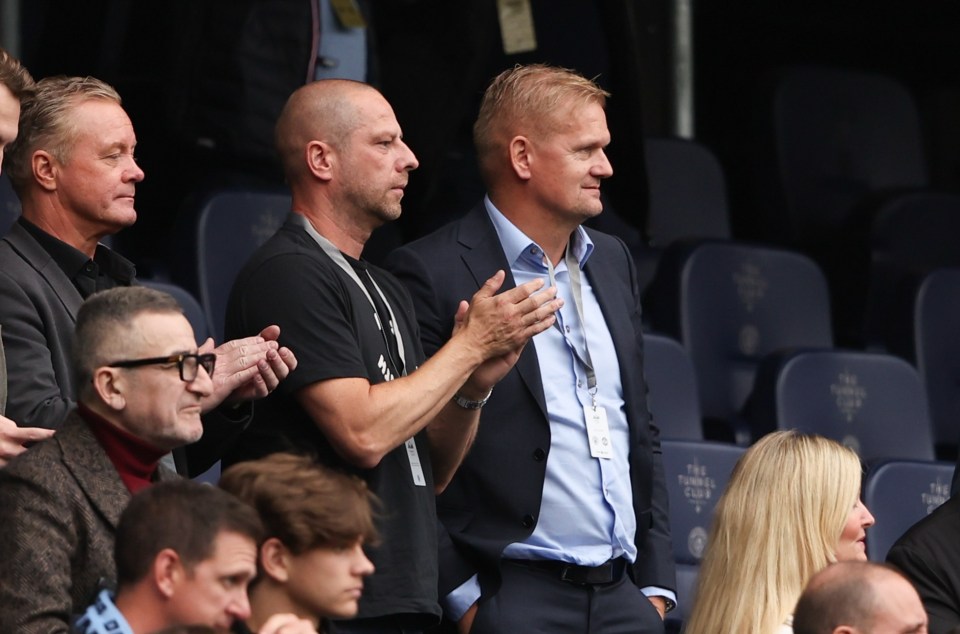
x=309, y=300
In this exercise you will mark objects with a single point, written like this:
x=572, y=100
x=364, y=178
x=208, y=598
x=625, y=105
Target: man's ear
x=321, y=159
x=168, y=572
x=44, y=167
x=110, y=387
x=520, y=156
x=275, y=560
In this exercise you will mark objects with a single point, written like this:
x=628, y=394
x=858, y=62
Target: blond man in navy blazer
x=557, y=519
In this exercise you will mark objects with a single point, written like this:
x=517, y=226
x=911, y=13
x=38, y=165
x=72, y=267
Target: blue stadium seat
x=911, y=235
x=871, y=402
x=191, y=307
x=900, y=493
x=688, y=193
x=730, y=304
x=696, y=473
x=230, y=227
x=841, y=136
x=672, y=388
x=936, y=313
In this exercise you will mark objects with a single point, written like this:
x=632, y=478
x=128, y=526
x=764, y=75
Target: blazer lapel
x=88, y=462
x=38, y=258
x=617, y=308
x=483, y=256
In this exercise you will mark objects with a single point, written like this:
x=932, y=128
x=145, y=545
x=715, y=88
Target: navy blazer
x=494, y=499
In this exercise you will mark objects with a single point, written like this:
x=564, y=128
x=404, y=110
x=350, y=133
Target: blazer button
x=539, y=454
x=527, y=521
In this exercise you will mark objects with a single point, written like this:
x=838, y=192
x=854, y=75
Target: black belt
x=580, y=575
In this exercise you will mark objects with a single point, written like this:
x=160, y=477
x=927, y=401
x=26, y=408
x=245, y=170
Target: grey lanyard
x=334, y=254
x=573, y=269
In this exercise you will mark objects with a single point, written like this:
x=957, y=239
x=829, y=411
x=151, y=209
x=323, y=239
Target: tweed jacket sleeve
x=59, y=507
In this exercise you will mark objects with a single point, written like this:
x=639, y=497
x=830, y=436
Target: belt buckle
x=571, y=578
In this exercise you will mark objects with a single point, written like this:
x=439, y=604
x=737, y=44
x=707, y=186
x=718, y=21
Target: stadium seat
x=927, y=336
x=671, y=388
x=191, y=307
x=696, y=473
x=230, y=227
x=688, y=194
x=910, y=236
x=871, y=402
x=899, y=493
x=730, y=304
x=841, y=136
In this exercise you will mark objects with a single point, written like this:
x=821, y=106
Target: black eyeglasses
x=188, y=364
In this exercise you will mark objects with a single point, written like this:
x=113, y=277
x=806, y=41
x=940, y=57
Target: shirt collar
x=70, y=260
x=73, y=262
x=135, y=459
x=515, y=243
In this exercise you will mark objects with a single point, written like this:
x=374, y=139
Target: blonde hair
x=526, y=100
x=777, y=523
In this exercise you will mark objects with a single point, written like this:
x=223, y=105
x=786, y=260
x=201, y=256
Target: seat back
x=841, y=134
x=871, y=402
x=937, y=350
x=734, y=304
x=688, y=193
x=671, y=388
x=191, y=307
x=230, y=227
x=900, y=493
x=696, y=474
x=911, y=235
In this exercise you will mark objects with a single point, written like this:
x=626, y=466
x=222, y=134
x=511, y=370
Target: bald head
x=858, y=597
x=326, y=110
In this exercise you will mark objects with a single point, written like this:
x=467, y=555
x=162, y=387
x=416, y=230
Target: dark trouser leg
x=536, y=601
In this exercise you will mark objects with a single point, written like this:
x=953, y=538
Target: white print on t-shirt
x=384, y=369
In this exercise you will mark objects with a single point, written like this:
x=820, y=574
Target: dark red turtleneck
x=135, y=459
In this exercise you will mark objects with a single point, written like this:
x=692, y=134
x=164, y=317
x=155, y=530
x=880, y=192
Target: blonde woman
x=792, y=506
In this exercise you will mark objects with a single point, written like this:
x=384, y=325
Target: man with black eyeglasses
x=74, y=169
x=142, y=383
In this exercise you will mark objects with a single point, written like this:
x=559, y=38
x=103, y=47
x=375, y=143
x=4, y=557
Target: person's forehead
x=9, y=115
x=374, y=111
x=9, y=104
x=102, y=120
x=232, y=549
x=163, y=333
x=901, y=607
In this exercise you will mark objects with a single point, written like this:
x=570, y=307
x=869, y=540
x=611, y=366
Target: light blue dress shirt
x=586, y=514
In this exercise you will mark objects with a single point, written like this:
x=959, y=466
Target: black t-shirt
x=329, y=323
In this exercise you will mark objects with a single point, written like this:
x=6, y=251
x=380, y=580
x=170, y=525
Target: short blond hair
x=527, y=99
x=46, y=122
x=777, y=523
